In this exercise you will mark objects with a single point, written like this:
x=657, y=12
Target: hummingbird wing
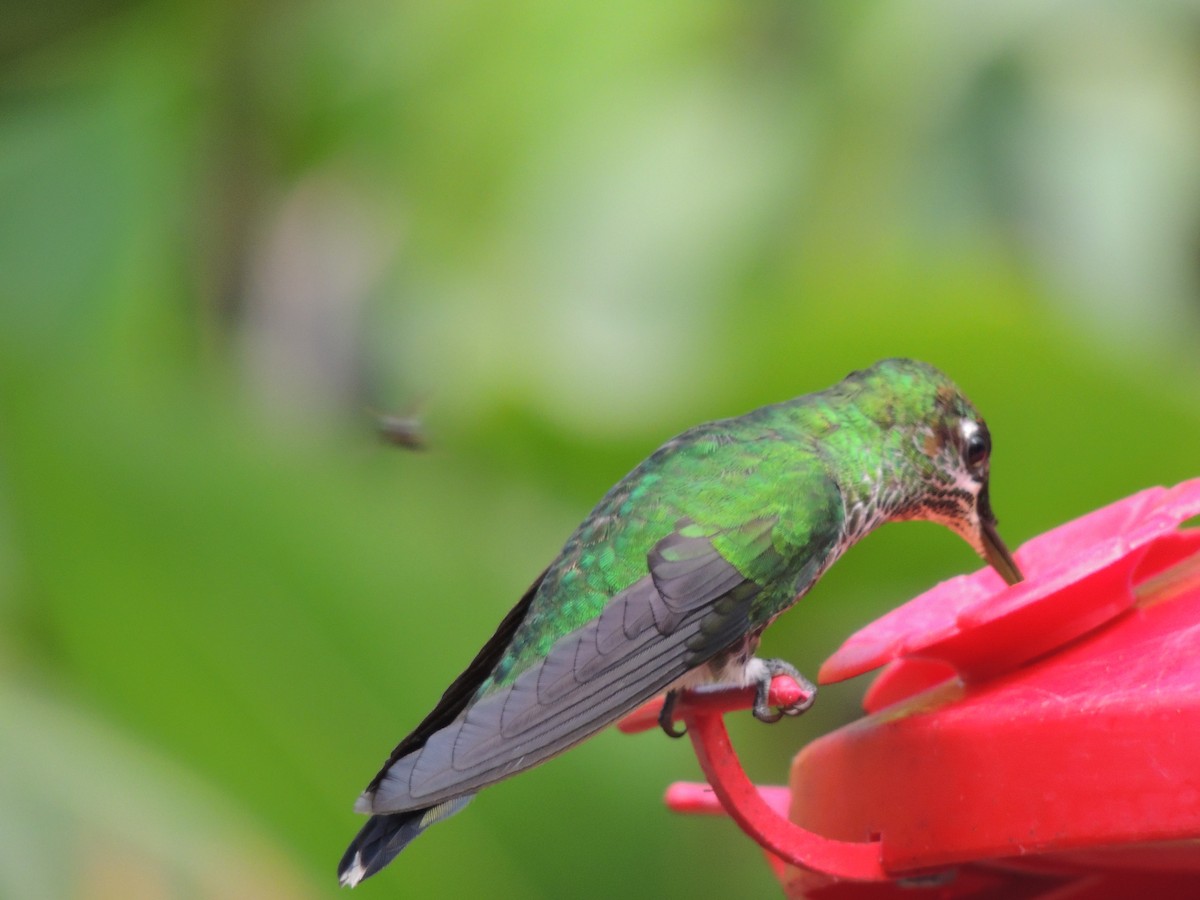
x=456, y=697
x=690, y=606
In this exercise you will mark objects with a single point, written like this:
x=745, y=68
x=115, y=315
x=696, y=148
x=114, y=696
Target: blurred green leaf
x=87, y=813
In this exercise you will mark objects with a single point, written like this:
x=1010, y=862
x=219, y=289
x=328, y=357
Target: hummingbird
x=671, y=579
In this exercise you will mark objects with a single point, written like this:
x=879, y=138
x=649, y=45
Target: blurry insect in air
x=401, y=431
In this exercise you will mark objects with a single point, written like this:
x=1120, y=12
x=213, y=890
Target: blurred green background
x=558, y=233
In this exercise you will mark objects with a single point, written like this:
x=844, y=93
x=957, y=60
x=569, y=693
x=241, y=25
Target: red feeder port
x=1030, y=741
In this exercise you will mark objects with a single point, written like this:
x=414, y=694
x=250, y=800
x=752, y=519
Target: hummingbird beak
x=991, y=547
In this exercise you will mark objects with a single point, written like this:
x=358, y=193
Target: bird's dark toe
x=665, y=721
x=764, y=713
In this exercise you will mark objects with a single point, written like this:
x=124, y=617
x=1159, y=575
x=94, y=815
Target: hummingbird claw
x=764, y=713
x=664, y=717
x=770, y=668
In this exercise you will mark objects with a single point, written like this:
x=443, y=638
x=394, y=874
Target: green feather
x=799, y=465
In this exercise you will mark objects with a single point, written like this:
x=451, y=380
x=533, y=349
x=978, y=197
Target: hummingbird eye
x=979, y=447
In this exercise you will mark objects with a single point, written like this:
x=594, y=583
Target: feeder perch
x=1034, y=741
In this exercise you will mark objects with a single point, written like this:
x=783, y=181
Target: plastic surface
x=1034, y=741
x=759, y=812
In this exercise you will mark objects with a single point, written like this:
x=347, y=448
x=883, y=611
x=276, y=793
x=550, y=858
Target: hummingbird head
x=957, y=449
x=938, y=450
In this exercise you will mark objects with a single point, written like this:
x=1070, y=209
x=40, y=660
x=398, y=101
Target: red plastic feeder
x=1040, y=740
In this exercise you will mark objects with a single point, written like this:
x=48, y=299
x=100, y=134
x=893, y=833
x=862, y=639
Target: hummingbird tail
x=385, y=835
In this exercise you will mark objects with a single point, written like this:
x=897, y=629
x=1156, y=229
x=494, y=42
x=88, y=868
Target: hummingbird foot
x=763, y=670
x=664, y=716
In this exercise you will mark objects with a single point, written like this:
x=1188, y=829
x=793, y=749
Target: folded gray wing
x=692, y=605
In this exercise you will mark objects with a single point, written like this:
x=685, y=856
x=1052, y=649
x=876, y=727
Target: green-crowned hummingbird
x=669, y=582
